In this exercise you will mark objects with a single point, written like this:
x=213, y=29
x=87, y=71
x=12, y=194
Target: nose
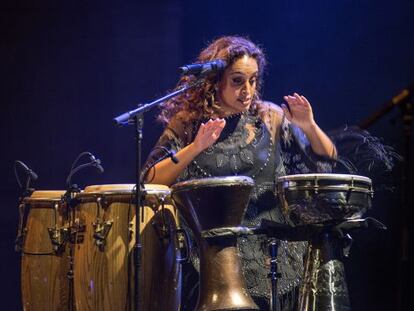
x=247, y=89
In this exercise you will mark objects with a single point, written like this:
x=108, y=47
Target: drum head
x=44, y=196
x=124, y=188
x=153, y=194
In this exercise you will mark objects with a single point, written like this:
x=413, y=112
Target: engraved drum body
x=209, y=206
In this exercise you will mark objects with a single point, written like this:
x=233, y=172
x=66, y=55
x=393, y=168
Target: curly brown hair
x=200, y=102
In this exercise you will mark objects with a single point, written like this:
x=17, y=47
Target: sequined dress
x=263, y=146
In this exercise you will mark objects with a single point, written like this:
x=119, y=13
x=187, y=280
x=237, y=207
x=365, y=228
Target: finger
x=292, y=100
x=288, y=99
x=201, y=129
x=213, y=127
x=305, y=100
x=216, y=134
x=213, y=122
x=298, y=98
x=219, y=123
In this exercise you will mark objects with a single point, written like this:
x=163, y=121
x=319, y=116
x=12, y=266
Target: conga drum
x=320, y=203
x=45, y=257
x=103, y=255
x=214, y=209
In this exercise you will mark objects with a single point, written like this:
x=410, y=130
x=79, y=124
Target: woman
x=223, y=128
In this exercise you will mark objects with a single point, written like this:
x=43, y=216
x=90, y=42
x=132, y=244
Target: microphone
x=33, y=176
x=99, y=166
x=96, y=163
x=202, y=69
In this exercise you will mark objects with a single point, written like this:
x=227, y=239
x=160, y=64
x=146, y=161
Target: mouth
x=244, y=101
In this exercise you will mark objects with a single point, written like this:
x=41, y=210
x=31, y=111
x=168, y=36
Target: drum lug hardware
x=184, y=245
x=316, y=186
x=19, y=241
x=77, y=228
x=162, y=230
x=102, y=202
x=101, y=233
x=350, y=190
x=58, y=237
x=352, y=185
x=131, y=229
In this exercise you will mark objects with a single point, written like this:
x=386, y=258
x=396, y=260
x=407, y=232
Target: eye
x=253, y=80
x=237, y=80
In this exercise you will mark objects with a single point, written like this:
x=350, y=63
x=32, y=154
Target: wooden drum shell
x=45, y=285
x=104, y=276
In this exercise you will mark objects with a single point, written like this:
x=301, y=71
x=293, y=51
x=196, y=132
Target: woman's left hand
x=299, y=111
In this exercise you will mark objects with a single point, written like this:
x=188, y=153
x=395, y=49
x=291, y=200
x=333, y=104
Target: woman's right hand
x=208, y=133
x=166, y=172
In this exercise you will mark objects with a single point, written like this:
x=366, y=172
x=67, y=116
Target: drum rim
x=45, y=196
x=216, y=181
x=164, y=191
x=324, y=176
x=124, y=192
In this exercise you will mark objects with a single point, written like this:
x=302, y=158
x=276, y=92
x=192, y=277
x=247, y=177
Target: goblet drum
x=212, y=206
x=45, y=263
x=324, y=198
x=103, y=262
x=320, y=202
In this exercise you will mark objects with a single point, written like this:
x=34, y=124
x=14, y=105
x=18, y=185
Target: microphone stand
x=405, y=101
x=136, y=117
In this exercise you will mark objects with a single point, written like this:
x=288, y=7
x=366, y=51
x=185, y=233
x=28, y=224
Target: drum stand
x=73, y=229
x=273, y=275
x=324, y=286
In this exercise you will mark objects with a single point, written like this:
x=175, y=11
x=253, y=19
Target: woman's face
x=238, y=85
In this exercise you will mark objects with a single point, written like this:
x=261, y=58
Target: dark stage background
x=69, y=67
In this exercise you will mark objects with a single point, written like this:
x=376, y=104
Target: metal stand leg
x=273, y=275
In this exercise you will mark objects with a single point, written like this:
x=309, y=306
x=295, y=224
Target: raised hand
x=299, y=111
x=208, y=133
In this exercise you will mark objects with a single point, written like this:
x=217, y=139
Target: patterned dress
x=263, y=145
